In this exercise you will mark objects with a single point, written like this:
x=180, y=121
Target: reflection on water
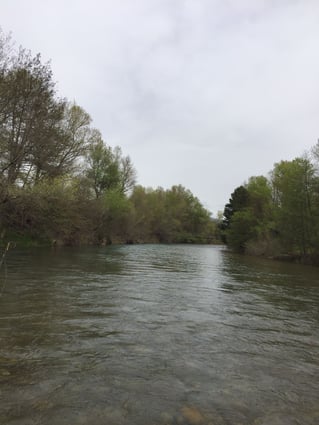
x=157, y=335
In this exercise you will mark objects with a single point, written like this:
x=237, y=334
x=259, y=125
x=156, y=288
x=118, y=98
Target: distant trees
x=172, y=215
x=279, y=214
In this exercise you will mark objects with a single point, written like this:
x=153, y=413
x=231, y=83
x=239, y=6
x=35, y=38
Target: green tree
x=29, y=114
x=141, y=228
x=192, y=220
x=248, y=217
x=116, y=217
x=238, y=201
x=260, y=196
x=293, y=191
x=241, y=230
x=127, y=173
x=103, y=168
x=71, y=143
x=107, y=168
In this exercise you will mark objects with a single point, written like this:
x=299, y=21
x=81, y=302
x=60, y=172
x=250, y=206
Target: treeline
x=279, y=215
x=61, y=183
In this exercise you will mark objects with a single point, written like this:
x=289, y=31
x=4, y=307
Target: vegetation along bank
x=277, y=216
x=60, y=183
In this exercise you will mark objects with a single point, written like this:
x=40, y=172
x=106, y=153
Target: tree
x=241, y=230
x=239, y=200
x=58, y=152
x=248, y=217
x=261, y=204
x=40, y=135
x=29, y=114
x=127, y=174
x=108, y=169
x=293, y=183
x=76, y=138
x=191, y=218
x=6, y=47
x=115, y=218
x=103, y=167
x=260, y=195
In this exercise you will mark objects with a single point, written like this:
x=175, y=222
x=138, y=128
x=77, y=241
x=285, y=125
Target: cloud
x=204, y=93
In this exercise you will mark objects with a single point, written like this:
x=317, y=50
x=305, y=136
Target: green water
x=156, y=334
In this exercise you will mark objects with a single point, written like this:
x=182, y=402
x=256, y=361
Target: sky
x=202, y=93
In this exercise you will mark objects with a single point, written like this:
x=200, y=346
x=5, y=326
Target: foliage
x=278, y=215
x=29, y=117
x=294, y=197
x=241, y=230
x=238, y=201
x=172, y=215
x=103, y=169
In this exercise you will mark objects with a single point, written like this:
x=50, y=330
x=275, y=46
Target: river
x=157, y=334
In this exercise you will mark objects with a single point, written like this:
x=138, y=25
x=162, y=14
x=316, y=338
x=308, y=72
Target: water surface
x=156, y=334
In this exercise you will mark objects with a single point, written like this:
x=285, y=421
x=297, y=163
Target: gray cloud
x=204, y=93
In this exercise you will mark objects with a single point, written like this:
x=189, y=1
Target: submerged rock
x=192, y=415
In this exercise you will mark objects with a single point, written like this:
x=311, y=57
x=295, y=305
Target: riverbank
x=26, y=241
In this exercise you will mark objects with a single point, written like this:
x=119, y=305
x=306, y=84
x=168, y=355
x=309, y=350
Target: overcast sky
x=203, y=93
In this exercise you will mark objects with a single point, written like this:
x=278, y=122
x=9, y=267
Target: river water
x=157, y=334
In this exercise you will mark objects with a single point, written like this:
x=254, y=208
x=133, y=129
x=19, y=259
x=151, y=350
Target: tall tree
x=127, y=173
x=248, y=215
x=103, y=168
x=238, y=201
x=76, y=137
x=108, y=169
x=293, y=196
x=261, y=202
x=29, y=113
